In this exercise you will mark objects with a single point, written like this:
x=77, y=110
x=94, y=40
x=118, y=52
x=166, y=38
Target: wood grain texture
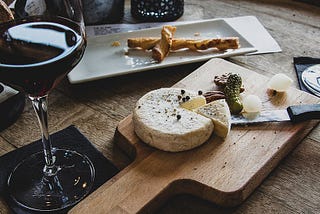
x=290, y=188
x=223, y=172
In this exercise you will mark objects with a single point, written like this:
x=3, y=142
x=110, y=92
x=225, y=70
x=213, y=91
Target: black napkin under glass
x=69, y=138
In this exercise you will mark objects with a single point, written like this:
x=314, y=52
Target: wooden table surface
x=95, y=108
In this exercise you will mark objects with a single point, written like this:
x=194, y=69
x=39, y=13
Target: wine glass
x=36, y=51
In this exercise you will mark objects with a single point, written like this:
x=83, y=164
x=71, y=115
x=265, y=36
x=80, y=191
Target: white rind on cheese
x=219, y=113
x=156, y=121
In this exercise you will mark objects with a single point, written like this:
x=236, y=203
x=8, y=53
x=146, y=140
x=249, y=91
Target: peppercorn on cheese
x=160, y=121
x=219, y=113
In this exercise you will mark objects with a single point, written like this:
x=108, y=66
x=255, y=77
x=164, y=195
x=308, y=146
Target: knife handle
x=299, y=113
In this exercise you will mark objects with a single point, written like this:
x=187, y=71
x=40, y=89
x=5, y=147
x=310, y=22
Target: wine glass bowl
x=37, y=50
x=41, y=50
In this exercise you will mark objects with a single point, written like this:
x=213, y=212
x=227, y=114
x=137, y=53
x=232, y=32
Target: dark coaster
x=301, y=64
x=69, y=138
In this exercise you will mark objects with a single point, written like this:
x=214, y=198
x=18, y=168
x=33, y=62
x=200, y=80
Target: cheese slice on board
x=193, y=102
x=160, y=121
x=219, y=113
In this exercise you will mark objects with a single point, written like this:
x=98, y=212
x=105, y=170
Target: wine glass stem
x=40, y=106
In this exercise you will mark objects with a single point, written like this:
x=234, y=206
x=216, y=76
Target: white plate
x=102, y=60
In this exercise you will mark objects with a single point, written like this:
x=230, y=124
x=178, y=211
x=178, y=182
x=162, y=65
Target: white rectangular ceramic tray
x=102, y=60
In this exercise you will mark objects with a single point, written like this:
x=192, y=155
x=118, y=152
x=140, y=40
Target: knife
x=295, y=114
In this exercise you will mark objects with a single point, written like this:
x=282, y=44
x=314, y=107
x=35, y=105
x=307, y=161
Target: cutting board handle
x=133, y=190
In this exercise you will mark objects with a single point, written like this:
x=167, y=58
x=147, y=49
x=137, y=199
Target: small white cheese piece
x=218, y=111
x=252, y=104
x=193, y=103
x=280, y=82
x=161, y=122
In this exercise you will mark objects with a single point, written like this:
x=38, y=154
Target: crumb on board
x=115, y=44
x=197, y=34
x=125, y=51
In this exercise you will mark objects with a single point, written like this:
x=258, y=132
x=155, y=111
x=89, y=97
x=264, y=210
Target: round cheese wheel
x=160, y=121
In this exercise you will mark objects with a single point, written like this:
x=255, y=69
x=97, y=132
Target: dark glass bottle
x=94, y=11
x=102, y=11
x=157, y=10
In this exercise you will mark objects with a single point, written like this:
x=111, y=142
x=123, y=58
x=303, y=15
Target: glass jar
x=95, y=12
x=157, y=10
x=102, y=11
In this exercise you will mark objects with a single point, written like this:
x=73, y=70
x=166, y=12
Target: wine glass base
x=29, y=188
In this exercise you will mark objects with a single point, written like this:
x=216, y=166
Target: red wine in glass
x=35, y=54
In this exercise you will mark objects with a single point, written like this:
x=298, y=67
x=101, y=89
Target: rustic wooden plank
x=292, y=11
x=3, y=207
x=5, y=147
x=315, y=134
x=96, y=102
x=303, y=163
x=297, y=28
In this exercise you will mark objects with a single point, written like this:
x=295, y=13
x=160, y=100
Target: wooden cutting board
x=224, y=172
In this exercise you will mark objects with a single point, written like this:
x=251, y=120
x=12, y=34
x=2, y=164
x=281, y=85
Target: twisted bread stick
x=204, y=44
x=147, y=43
x=162, y=47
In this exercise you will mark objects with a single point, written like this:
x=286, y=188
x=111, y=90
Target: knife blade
x=294, y=113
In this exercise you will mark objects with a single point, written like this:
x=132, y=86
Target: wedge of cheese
x=193, y=103
x=160, y=121
x=219, y=113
